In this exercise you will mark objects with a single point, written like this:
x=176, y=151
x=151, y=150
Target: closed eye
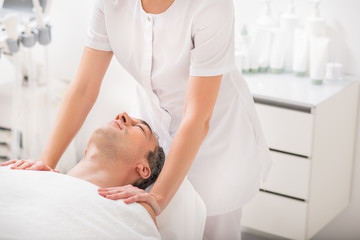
x=144, y=124
x=141, y=127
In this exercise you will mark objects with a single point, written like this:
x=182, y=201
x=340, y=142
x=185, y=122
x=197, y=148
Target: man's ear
x=143, y=170
x=85, y=151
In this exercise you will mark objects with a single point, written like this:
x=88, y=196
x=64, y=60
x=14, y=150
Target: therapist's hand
x=28, y=165
x=130, y=194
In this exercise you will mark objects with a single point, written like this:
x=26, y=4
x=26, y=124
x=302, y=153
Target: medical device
x=25, y=32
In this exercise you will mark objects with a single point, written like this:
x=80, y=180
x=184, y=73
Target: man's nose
x=124, y=117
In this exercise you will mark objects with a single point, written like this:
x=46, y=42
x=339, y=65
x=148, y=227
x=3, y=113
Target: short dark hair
x=156, y=161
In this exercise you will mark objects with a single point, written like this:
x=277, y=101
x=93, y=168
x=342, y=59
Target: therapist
x=182, y=53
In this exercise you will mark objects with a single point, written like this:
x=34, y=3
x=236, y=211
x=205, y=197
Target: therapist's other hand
x=29, y=165
x=130, y=194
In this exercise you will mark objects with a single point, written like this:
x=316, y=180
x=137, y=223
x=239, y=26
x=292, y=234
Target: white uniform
x=191, y=38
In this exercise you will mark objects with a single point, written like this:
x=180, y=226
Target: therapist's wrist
x=157, y=204
x=48, y=162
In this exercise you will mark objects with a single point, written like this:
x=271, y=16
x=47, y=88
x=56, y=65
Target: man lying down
x=51, y=205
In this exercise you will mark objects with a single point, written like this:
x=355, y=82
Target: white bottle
x=319, y=56
x=266, y=20
x=245, y=44
x=277, y=51
x=288, y=24
x=319, y=44
x=262, y=40
x=315, y=24
x=301, y=49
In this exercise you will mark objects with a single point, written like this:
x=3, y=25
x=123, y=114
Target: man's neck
x=97, y=171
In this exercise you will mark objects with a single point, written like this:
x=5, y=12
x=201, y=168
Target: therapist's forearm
x=73, y=111
x=200, y=98
x=184, y=149
x=78, y=101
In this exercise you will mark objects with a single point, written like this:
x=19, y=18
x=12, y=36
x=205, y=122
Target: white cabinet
x=311, y=133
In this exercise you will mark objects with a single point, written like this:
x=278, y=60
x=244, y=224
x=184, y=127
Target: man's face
x=124, y=136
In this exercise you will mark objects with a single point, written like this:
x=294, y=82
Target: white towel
x=48, y=205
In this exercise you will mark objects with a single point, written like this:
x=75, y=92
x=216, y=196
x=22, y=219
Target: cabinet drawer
x=286, y=130
x=276, y=215
x=289, y=175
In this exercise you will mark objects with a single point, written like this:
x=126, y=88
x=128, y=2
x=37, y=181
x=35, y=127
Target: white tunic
x=161, y=51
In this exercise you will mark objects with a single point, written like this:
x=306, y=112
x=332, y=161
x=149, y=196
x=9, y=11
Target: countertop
x=292, y=90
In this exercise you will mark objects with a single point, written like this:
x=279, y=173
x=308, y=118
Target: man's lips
x=117, y=124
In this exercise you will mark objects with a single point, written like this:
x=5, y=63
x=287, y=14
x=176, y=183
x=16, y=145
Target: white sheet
x=47, y=205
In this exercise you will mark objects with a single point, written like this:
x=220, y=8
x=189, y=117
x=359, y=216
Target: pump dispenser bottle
x=315, y=24
x=319, y=44
x=262, y=40
x=288, y=24
x=266, y=20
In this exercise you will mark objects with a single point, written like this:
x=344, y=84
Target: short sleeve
x=213, y=37
x=97, y=35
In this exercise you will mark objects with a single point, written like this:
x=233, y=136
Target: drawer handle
x=282, y=195
x=299, y=108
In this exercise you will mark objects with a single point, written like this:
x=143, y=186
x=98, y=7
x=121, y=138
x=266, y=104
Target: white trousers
x=223, y=227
